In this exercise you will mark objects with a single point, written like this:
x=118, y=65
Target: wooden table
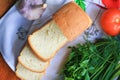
x=5, y=72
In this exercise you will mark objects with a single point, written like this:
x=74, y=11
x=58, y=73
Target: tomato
x=111, y=3
x=110, y=22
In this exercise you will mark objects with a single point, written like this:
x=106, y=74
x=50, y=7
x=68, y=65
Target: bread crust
x=72, y=20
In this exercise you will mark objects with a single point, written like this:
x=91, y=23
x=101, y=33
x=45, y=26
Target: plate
x=15, y=28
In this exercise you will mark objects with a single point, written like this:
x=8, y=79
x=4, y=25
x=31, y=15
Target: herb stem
x=95, y=74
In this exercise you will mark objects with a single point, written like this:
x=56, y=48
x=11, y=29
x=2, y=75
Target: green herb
x=94, y=61
x=81, y=3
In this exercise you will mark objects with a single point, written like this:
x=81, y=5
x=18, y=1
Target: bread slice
x=46, y=41
x=25, y=74
x=72, y=20
x=31, y=61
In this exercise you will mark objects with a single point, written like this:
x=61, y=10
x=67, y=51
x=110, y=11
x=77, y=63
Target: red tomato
x=111, y=3
x=110, y=22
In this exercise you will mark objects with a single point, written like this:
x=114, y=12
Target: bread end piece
x=72, y=20
x=25, y=74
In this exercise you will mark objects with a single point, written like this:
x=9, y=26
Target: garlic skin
x=32, y=9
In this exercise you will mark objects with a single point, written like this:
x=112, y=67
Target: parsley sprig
x=81, y=3
x=94, y=61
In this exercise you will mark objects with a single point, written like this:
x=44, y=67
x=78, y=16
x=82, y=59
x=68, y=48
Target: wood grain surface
x=5, y=5
x=5, y=72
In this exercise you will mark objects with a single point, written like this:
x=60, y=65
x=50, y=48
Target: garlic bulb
x=32, y=9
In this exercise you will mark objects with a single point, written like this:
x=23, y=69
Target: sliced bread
x=25, y=74
x=67, y=23
x=72, y=20
x=30, y=61
x=46, y=41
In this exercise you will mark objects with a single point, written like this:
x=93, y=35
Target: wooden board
x=5, y=72
x=5, y=5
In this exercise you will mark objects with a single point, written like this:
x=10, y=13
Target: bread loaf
x=67, y=23
x=30, y=61
x=25, y=74
x=47, y=41
x=5, y=5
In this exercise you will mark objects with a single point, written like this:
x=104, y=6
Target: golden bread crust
x=72, y=20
